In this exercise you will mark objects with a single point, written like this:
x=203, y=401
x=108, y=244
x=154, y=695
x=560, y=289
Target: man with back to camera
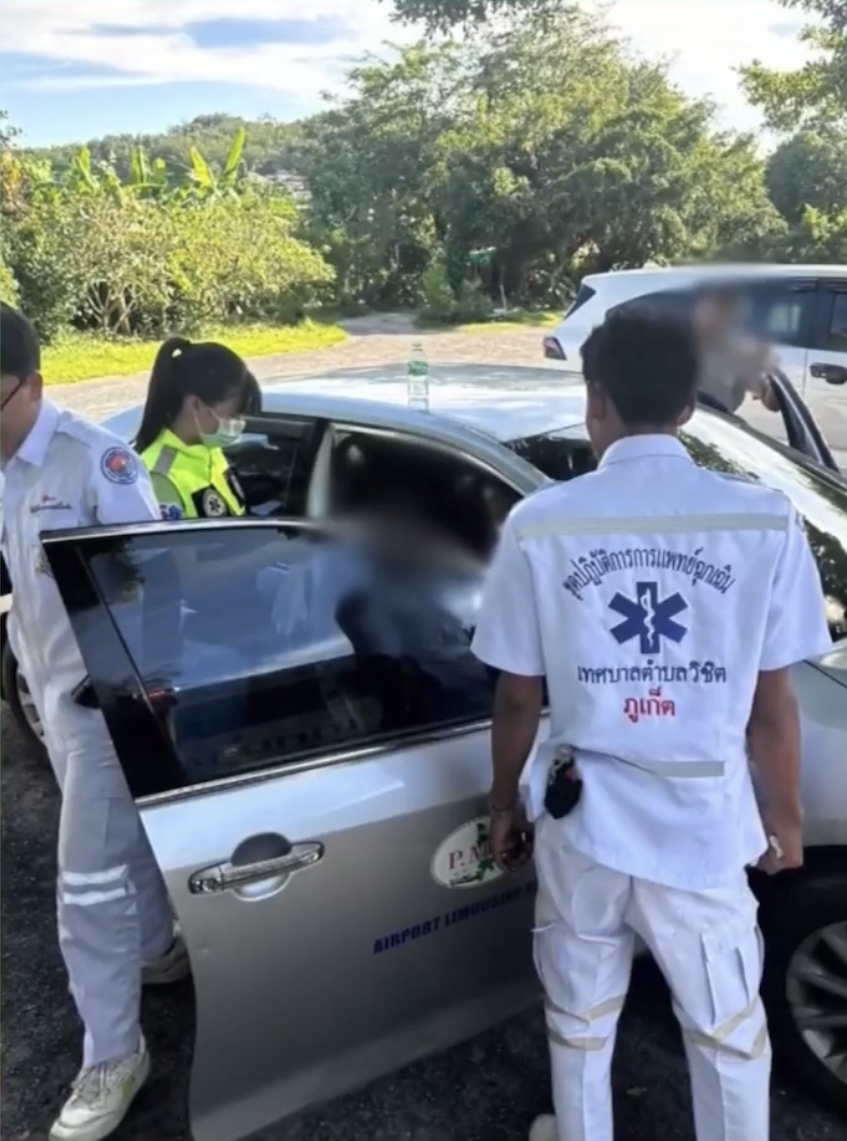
x=664, y=605
x=115, y=926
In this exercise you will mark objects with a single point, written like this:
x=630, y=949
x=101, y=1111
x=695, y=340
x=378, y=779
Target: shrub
x=8, y=285
x=438, y=302
x=473, y=304
x=240, y=260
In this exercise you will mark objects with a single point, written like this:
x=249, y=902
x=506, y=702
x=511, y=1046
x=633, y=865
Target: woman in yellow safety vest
x=198, y=397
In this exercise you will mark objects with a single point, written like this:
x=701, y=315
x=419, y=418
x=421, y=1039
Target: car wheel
x=19, y=699
x=805, y=984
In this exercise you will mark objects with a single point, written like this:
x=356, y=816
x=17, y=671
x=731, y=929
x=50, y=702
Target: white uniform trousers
x=113, y=910
x=709, y=949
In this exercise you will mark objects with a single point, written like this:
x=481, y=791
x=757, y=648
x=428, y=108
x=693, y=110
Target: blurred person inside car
x=733, y=364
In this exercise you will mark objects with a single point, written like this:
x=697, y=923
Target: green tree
x=443, y=15
x=559, y=151
x=816, y=94
x=809, y=169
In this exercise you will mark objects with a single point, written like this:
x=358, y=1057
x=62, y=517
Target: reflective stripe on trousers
x=113, y=911
x=709, y=949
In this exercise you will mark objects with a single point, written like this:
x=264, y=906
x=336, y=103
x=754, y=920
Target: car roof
x=503, y=403
x=737, y=271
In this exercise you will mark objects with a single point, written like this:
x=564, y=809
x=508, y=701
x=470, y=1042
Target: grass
x=74, y=357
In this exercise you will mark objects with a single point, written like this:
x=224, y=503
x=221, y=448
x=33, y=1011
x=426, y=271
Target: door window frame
x=135, y=719
x=827, y=292
x=428, y=443
x=312, y=430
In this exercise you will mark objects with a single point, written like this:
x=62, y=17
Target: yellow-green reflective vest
x=192, y=481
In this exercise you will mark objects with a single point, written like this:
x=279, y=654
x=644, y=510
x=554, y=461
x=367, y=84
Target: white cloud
x=707, y=39
x=161, y=51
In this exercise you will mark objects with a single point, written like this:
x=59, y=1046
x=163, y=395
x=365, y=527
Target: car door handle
x=228, y=876
x=831, y=373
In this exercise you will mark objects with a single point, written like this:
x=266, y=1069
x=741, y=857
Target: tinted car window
x=584, y=293
x=779, y=313
x=261, y=647
x=836, y=336
x=275, y=470
x=556, y=454
x=679, y=302
x=820, y=500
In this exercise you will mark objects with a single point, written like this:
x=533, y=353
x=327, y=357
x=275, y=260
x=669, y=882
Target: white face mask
x=229, y=432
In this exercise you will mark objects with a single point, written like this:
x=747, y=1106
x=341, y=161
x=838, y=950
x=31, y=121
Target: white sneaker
x=168, y=968
x=544, y=1129
x=100, y=1098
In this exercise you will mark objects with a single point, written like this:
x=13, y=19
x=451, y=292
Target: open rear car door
x=315, y=801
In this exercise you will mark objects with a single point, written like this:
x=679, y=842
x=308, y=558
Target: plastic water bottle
x=417, y=379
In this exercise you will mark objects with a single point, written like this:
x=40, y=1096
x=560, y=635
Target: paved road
x=489, y=1088
x=485, y=1090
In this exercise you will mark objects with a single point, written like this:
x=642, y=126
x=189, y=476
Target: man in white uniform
x=115, y=924
x=664, y=605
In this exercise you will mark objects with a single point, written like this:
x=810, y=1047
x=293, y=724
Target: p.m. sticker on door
x=464, y=859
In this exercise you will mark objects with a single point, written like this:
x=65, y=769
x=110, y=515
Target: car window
x=584, y=294
x=820, y=500
x=275, y=471
x=679, y=302
x=836, y=333
x=778, y=313
x=556, y=454
x=264, y=648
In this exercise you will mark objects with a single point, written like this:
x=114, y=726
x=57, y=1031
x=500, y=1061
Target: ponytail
x=164, y=393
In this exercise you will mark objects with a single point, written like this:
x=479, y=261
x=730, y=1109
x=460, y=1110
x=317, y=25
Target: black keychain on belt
x=564, y=786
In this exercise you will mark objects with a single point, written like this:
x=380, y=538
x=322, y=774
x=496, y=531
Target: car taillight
x=553, y=351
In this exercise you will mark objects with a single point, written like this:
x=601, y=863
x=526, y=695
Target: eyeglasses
x=14, y=392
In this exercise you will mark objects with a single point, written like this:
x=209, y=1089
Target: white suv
x=800, y=308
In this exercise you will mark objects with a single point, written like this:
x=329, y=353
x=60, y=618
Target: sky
x=77, y=69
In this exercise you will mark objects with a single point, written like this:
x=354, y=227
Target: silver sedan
x=310, y=751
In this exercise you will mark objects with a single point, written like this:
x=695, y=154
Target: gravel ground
x=487, y=1089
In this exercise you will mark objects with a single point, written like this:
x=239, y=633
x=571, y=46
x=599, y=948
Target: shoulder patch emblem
x=170, y=512
x=213, y=504
x=119, y=465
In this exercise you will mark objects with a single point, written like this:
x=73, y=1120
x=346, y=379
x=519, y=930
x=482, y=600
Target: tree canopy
x=443, y=15
x=816, y=94
x=453, y=173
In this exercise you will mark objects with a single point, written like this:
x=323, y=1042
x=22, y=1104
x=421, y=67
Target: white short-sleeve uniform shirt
x=651, y=593
x=67, y=473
